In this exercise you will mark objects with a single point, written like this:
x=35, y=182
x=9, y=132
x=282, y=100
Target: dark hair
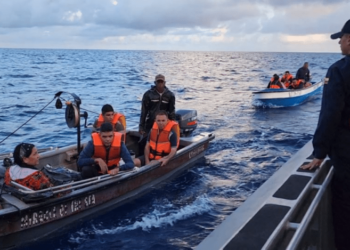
x=286, y=72
x=22, y=150
x=107, y=108
x=106, y=127
x=276, y=77
x=162, y=112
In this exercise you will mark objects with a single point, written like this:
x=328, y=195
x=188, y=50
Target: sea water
x=250, y=144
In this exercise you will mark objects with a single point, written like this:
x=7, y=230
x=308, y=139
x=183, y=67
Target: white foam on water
x=160, y=217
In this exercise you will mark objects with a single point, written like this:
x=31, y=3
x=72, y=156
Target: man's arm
x=146, y=153
x=144, y=112
x=85, y=157
x=333, y=102
x=119, y=127
x=125, y=155
x=173, y=143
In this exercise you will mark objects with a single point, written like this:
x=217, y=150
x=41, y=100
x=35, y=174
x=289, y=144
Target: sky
x=186, y=25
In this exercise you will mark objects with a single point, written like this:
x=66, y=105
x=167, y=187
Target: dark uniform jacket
x=303, y=73
x=332, y=136
x=152, y=102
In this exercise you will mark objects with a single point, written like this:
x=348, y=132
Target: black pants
x=90, y=171
x=341, y=211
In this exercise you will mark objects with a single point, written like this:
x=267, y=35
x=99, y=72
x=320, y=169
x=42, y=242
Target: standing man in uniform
x=159, y=97
x=332, y=137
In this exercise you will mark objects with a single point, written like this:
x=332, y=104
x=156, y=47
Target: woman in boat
x=26, y=157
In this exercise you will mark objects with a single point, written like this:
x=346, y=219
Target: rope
x=27, y=121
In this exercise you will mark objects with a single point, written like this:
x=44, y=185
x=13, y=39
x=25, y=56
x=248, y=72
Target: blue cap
x=344, y=30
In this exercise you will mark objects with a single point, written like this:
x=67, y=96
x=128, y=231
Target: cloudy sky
x=205, y=25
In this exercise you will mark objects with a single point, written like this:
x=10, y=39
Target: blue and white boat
x=279, y=98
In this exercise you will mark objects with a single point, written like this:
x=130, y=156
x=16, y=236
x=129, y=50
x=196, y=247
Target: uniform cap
x=344, y=30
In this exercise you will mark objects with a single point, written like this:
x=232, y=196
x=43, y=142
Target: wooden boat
x=277, y=98
x=22, y=223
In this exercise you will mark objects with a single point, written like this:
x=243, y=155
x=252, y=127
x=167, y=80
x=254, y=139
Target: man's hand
x=141, y=131
x=163, y=161
x=102, y=164
x=114, y=171
x=314, y=164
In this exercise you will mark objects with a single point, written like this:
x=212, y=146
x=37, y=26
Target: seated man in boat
x=108, y=115
x=275, y=83
x=296, y=84
x=102, y=154
x=162, y=141
x=287, y=79
x=26, y=157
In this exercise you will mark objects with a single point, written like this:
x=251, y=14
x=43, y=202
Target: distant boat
x=280, y=98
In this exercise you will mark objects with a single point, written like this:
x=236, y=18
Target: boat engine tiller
x=187, y=119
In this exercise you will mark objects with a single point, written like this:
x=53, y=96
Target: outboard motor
x=187, y=119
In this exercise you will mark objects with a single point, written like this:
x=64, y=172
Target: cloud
x=268, y=25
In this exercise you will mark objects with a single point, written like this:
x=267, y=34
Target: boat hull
x=272, y=98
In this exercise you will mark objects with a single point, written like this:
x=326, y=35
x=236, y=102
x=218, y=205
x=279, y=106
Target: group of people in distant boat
x=159, y=131
x=287, y=81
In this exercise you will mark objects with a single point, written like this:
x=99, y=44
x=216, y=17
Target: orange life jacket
x=298, y=83
x=30, y=178
x=273, y=86
x=118, y=117
x=159, y=141
x=112, y=157
x=287, y=80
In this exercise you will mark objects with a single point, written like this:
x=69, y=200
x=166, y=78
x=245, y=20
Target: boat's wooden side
x=21, y=222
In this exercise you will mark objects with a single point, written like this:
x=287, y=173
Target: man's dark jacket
x=303, y=74
x=152, y=102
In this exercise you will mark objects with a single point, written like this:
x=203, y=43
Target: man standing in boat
x=162, y=141
x=159, y=97
x=103, y=153
x=332, y=137
x=303, y=73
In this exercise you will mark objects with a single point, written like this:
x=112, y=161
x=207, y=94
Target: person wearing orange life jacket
x=296, y=84
x=102, y=154
x=275, y=83
x=24, y=172
x=287, y=79
x=108, y=115
x=162, y=141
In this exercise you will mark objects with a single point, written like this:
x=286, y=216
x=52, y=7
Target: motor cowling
x=187, y=119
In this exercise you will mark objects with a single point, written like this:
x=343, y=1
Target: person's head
x=344, y=36
x=294, y=81
x=107, y=112
x=287, y=73
x=106, y=133
x=160, y=83
x=161, y=119
x=306, y=65
x=26, y=154
x=276, y=77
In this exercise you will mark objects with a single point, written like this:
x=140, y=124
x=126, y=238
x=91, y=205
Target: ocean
x=250, y=144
